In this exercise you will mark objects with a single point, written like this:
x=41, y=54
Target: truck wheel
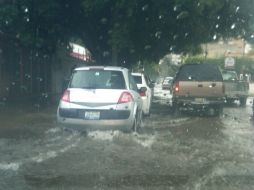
x=243, y=101
x=230, y=101
x=176, y=110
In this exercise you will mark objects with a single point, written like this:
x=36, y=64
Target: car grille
x=104, y=114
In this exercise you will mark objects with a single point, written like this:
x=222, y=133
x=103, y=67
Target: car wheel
x=135, y=125
x=137, y=122
x=243, y=101
x=176, y=110
x=218, y=111
x=146, y=114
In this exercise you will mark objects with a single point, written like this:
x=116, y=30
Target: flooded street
x=187, y=152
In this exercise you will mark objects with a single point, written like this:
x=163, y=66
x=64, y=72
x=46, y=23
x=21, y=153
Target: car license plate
x=200, y=100
x=92, y=115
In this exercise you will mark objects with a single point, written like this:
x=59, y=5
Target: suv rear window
x=199, y=72
x=138, y=79
x=229, y=75
x=97, y=79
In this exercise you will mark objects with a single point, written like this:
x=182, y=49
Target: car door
x=134, y=90
x=149, y=90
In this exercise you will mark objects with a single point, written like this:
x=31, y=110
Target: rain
x=43, y=45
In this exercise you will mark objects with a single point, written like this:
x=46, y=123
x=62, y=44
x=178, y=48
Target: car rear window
x=97, y=79
x=138, y=79
x=167, y=81
x=229, y=75
x=199, y=72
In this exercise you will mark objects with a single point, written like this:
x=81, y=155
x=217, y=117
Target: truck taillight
x=176, y=87
x=142, y=93
x=125, y=98
x=66, y=96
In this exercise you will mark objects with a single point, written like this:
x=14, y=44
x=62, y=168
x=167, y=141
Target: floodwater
x=185, y=152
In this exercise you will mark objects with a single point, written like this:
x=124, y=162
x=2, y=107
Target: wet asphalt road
x=186, y=152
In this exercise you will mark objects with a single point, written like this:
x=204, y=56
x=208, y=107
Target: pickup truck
x=198, y=87
x=235, y=89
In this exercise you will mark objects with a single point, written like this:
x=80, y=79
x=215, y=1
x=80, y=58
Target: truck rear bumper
x=198, y=102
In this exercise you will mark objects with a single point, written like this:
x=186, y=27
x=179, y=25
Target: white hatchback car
x=146, y=86
x=101, y=97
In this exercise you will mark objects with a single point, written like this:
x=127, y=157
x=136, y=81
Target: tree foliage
x=131, y=30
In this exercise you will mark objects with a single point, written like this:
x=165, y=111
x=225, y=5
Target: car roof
x=114, y=68
x=168, y=77
x=137, y=74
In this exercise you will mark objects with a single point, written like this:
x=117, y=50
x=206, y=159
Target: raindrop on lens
x=105, y=53
x=233, y=26
x=145, y=7
x=104, y=20
x=147, y=47
x=215, y=37
x=237, y=9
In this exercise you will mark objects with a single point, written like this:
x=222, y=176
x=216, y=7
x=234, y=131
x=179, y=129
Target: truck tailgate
x=200, y=89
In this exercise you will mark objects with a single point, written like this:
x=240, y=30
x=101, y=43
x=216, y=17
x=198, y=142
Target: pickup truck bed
x=235, y=89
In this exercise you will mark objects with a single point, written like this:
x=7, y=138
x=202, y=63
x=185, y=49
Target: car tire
x=137, y=122
x=146, y=114
x=176, y=110
x=218, y=111
x=243, y=101
x=135, y=125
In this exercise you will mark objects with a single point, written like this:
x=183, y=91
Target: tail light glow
x=176, y=87
x=66, y=96
x=125, y=98
x=142, y=94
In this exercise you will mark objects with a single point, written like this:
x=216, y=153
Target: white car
x=146, y=86
x=167, y=83
x=101, y=97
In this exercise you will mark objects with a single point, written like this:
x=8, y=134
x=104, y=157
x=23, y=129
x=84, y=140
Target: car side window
x=133, y=85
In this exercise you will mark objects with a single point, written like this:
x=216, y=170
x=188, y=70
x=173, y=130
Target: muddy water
x=187, y=152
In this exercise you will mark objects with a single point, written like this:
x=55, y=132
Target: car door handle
x=200, y=85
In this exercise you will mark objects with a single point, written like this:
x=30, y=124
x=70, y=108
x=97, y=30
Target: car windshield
x=97, y=79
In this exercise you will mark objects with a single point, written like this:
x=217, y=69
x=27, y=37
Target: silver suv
x=100, y=97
